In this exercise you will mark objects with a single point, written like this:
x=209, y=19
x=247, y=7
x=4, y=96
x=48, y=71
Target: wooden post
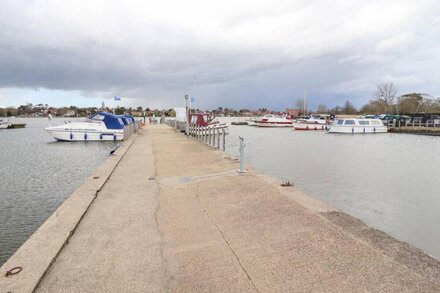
x=224, y=139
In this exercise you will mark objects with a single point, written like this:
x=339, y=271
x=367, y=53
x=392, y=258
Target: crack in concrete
x=156, y=221
x=224, y=239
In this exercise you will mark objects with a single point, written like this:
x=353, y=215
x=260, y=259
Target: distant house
x=70, y=113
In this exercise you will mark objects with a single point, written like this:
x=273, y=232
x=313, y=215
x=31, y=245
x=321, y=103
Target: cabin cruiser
x=353, y=125
x=98, y=127
x=4, y=124
x=313, y=122
x=274, y=120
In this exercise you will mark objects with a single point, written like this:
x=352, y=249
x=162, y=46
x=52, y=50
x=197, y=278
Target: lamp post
x=187, y=115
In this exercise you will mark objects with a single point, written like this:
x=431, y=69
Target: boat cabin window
x=361, y=122
x=120, y=121
x=375, y=123
x=349, y=122
x=340, y=122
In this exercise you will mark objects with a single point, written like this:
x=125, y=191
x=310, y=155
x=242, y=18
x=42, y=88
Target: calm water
x=390, y=181
x=36, y=175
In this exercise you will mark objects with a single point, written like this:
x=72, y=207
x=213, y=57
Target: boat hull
x=357, y=129
x=82, y=135
x=273, y=124
x=309, y=126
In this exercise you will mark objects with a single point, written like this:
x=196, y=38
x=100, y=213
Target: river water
x=390, y=181
x=36, y=175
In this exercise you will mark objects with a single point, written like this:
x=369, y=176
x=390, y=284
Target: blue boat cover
x=111, y=121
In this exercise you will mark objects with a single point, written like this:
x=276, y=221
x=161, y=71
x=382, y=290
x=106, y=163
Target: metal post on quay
x=242, y=146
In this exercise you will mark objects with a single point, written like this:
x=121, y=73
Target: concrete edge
x=37, y=254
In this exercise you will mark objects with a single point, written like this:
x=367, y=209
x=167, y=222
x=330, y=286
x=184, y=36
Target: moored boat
x=274, y=120
x=353, y=125
x=98, y=127
x=4, y=124
x=313, y=122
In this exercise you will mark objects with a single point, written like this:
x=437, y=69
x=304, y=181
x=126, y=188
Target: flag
x=117, y=98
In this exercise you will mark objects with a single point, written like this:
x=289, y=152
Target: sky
x=242, y=54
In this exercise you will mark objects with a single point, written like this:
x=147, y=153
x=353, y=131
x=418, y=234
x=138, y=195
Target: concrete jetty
x=169, y=213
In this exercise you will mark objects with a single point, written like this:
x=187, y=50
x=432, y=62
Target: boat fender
x=85, y=136
x=100, y=136
x=71, y=136
x=307, y=127
x=374, y=129
x=114, y=136
x=364, y=129
x=352, y=130
x=316, y=128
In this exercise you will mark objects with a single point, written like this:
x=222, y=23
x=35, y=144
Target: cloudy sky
x=245, y=54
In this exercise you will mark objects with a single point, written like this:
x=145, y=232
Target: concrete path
x=175, y=216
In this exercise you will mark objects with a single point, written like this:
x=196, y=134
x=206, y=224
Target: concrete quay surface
x=174, y=215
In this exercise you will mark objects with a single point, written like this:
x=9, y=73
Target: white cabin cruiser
x=98, y=127
x=274, y=121
x=353, y=125
x=313, y=122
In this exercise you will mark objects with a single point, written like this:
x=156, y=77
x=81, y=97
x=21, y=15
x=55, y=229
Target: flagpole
x=195, y=88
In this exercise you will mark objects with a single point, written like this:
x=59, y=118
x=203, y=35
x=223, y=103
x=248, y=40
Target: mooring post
x=211, y=136
x=206, y=134
x=242, y=170
x=224, y=139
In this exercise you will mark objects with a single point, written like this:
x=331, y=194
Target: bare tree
x=322, y=109
x=300, y=104
x=386, y=93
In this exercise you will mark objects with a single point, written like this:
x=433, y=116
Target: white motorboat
x=99, y=127
x=353, y=125
x=313, y=122
x=4, y=124
x=274, y=121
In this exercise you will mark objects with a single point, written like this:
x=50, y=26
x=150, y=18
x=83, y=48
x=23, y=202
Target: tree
x=300, y=104
x=349, y=108
x=322, y=109
x=386, y=93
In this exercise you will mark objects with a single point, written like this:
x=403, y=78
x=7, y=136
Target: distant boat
x=313, y=122
x=4, y=124
x=281, y=120
x=353, y=125
x=98, y=127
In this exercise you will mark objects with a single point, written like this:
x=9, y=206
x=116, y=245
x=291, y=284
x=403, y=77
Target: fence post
x=205, y=131
x=210, y=136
